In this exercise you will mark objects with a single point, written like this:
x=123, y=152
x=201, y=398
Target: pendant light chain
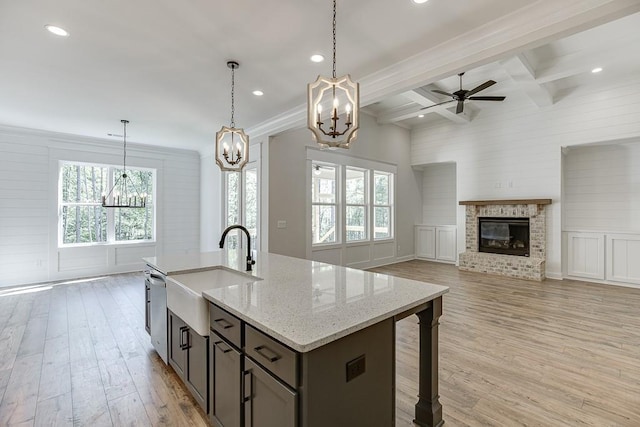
x=334, y=39
x=124, y=162
x=233, y=85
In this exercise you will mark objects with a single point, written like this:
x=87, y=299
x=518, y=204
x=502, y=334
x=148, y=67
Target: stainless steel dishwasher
x=158, y=314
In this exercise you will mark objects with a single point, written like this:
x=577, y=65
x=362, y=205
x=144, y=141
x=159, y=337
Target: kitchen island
x=310, y=342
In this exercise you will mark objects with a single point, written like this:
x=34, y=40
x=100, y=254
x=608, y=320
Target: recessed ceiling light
x=317, y=58
x=420, y=1
x=596, y=70
x=421, y=115
x=258, y=92
x=57, y=30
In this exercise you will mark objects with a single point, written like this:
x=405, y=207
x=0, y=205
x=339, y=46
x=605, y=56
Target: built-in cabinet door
x=446, y=244
x=268, y=402
x=226, y=406
x=179, y=335
x=198, y=367
x=426, y=242
x=585, y=253
x=623, y=256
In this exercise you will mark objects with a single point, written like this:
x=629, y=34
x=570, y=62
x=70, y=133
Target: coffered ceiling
x=162, y=64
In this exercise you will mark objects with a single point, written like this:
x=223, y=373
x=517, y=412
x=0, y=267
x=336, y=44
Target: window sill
x=109, y=244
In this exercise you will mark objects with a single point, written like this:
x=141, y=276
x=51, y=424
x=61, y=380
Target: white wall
x=29, y=162
x=602, y=188
x=513, y=149
x=211, y=205
x=287, y=184
x=439, y=201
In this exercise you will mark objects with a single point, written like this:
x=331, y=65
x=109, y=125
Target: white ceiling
x=162, y=63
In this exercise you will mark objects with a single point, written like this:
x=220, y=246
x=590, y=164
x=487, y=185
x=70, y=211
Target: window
x=350, y=204
x=83, y=220
x=241, y=189
x=324, y=202
x=356, y=204
x=382, y=204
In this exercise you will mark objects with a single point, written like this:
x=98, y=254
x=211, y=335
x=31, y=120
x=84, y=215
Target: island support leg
x=428, y=408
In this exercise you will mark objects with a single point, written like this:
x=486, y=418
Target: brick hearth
x=531, y=267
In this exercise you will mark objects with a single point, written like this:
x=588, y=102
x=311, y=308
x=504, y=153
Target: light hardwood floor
x=512, y=353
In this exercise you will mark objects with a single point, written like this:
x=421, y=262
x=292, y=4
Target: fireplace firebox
x=508, y=236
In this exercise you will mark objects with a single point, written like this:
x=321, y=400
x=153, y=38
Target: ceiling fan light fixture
x=232, y=144
x=333, y=106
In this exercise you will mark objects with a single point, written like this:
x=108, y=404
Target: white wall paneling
x=585, y=252
x=29, y=162
x=439, y=198
x=513, y=150
x=623, y=258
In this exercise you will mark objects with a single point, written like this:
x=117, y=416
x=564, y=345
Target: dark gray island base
x=297, y=343
x=277, y=386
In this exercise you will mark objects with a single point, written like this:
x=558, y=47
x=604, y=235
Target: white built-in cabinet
x=436, y=242
x=604, y=256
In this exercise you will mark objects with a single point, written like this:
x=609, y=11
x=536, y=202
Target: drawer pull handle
x=222, y=349
x=261, y=351
x=224, y=323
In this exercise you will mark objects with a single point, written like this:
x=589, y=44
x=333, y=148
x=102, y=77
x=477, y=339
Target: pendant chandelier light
x=124, y=193
x=333, y=106
x=232, y=145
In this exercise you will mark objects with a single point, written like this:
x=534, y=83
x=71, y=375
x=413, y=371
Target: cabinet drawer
x=275, y=357
x=226, y=324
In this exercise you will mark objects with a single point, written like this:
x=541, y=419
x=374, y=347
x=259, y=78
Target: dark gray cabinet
x=261, y=382
x=189, y=357
x=226, y=370
x=268, y=402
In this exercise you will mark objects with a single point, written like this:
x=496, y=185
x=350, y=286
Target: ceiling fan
x=462, y=95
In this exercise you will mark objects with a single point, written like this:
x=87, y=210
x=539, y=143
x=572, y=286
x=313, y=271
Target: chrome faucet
x=250, y=260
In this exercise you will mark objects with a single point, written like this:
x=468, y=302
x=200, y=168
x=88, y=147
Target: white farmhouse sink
x=184, y=293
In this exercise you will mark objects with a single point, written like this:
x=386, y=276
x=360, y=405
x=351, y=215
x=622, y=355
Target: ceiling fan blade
x=460, y=107
x=487, y=98
x=435, y=105
x=441, y=92
x=483, y=86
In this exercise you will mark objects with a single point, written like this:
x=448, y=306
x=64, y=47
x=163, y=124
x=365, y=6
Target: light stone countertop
x=304, y=304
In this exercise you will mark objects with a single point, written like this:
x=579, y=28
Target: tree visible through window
x=368, y=204
x=324, y=204
x=382, y=204
x=82, y=217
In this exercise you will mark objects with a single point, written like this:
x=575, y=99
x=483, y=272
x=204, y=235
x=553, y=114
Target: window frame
x=110, y=214
x=342, y=163
x=365, y=205
x=253, y=165
x=336, y=204
x=390, y=205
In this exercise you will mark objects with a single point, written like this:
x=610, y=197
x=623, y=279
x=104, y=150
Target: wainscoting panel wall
x=29, y=250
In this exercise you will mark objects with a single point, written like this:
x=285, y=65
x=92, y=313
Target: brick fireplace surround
x=531, y=267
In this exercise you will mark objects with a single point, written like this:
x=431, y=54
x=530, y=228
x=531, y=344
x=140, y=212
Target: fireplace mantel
x=506, y=202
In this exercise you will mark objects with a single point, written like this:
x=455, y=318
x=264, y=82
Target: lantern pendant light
x=333, y=106
x=232, y=144
x=124, y=193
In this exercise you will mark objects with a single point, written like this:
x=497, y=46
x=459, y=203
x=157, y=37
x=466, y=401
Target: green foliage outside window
x=83, y=220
